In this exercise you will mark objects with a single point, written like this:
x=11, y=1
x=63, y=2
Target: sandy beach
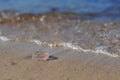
x=60, y=40
x=16, y=64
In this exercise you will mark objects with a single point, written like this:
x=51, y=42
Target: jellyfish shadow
x=53, y=57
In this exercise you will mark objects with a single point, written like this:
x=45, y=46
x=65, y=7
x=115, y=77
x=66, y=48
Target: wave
x=9, y=16
x=98, y=50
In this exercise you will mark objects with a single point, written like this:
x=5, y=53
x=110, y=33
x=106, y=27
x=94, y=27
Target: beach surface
x=82, y=36
x=16, y=64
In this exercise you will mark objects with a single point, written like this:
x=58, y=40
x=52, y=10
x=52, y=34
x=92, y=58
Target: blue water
x=102, y=7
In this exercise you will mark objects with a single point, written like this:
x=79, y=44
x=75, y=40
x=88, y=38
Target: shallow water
x=64, y=30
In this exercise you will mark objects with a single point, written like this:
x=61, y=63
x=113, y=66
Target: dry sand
x=16, y=64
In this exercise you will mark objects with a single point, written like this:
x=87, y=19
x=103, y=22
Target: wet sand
x=16, y=64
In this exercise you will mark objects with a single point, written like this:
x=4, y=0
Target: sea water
x=90, y=26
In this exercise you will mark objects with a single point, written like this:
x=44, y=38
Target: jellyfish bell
x=40, y=55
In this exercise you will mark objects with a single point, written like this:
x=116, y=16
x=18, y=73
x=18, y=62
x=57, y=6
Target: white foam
x=3, y=38
x=36, y=41
x=97, y=50
x=42, y=18
x=102, y=49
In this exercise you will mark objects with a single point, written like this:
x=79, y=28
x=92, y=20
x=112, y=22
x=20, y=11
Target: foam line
x=99, y=50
